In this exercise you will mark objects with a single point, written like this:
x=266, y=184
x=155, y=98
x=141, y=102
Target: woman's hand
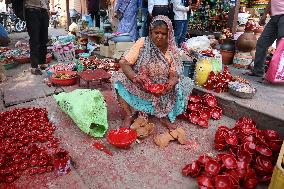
x=168, y=87
x=140, y=79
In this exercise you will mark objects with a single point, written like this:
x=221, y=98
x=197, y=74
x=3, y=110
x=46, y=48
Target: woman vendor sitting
x=153, y=59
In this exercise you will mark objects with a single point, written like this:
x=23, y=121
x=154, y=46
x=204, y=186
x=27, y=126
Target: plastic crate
x=277, y=180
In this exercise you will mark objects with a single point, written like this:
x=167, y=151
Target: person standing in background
x=93, y=10
x=274, y=30
x=158, y=7
x=126, y=11
x=143, y=4
x=181, y=9
x=37, y=18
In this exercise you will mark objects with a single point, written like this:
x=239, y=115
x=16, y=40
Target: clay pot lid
x=263, y=150
x=270, y=134
x=223, y=181
x=210, y=100
x=249, y=147
x=205, y=181
x=216, y=113
x=203, y=159
x=229, y=161
x=203, y=123
x=194, y=98
x=232, y=139
x=205, y=114
x=212, y=167
x=244, y=156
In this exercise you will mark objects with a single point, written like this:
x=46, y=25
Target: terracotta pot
x=228, y=45
x=259, y=30
x=246, y=42
x=227, y=57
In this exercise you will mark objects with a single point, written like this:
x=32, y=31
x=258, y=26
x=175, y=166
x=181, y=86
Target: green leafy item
x=87, y=109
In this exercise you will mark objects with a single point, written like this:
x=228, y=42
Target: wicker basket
x=277, y=180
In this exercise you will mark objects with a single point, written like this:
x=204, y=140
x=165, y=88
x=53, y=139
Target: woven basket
x=277, y=180
x=241, y=94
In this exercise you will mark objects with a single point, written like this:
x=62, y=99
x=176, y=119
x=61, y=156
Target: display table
x=98, y=75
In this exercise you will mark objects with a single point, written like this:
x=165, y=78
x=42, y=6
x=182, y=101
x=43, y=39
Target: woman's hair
x=158, y=23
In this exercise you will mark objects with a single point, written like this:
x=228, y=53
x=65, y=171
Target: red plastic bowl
x=122, y=137
x=64, y=82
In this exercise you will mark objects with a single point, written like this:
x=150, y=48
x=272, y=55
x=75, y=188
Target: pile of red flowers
x=201, y=108
x=250, y=160
x=26, y=143
x=219, y=82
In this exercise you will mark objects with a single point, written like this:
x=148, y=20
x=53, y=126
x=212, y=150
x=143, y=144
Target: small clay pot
x=246, y=42
x=259, y=30
x=227, y=57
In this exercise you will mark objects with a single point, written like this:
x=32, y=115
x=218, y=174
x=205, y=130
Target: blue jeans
x=180, y=31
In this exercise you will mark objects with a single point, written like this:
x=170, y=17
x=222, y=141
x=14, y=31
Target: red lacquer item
x=102, y=147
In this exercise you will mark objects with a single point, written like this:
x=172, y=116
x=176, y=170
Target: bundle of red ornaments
x=26, y=143
x=201, y=108
x=219, y=82
x=250, y=160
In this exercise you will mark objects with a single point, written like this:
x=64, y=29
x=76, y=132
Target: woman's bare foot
x=166, y=122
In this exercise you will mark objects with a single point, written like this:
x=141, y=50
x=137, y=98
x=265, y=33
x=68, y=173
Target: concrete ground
x=144, y=165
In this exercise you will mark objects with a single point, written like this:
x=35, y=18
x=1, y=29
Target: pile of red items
x=201, y=108
x=250, y=160
x=26, y=143
x=219, y=82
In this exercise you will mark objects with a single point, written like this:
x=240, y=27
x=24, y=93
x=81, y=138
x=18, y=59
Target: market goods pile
x=201, y=108
x=250, y=160
x=26, y=143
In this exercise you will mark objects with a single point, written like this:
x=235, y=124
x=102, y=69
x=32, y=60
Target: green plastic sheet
x=87, y=109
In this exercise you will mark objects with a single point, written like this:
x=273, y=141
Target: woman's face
x=159, y=35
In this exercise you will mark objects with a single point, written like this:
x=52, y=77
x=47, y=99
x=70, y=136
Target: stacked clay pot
x=227, y=51
x=246, y=43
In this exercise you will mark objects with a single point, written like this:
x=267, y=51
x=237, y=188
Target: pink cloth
x=277, y=7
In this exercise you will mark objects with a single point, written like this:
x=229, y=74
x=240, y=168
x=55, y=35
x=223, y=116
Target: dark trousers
x=273, y=30
x=160, y=10
x=37, y=26
x=95, y=15
x=180, y=31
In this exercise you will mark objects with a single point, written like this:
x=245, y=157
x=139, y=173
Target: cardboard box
x=121, y=48
x=107, y=51
x=115, y=50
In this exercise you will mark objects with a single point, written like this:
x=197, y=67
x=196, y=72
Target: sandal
x=250, y=73
x=43, y=66
x=36, y=71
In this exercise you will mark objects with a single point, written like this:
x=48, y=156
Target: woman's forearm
x=127, y=69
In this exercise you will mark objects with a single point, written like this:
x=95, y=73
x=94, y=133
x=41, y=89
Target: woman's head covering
x=171, y=40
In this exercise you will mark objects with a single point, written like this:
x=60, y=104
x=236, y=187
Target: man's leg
x=97, y=19
x=184, y=31
x=268, y=36
x=33, y=27
x=178, y=31
x=43, y=38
